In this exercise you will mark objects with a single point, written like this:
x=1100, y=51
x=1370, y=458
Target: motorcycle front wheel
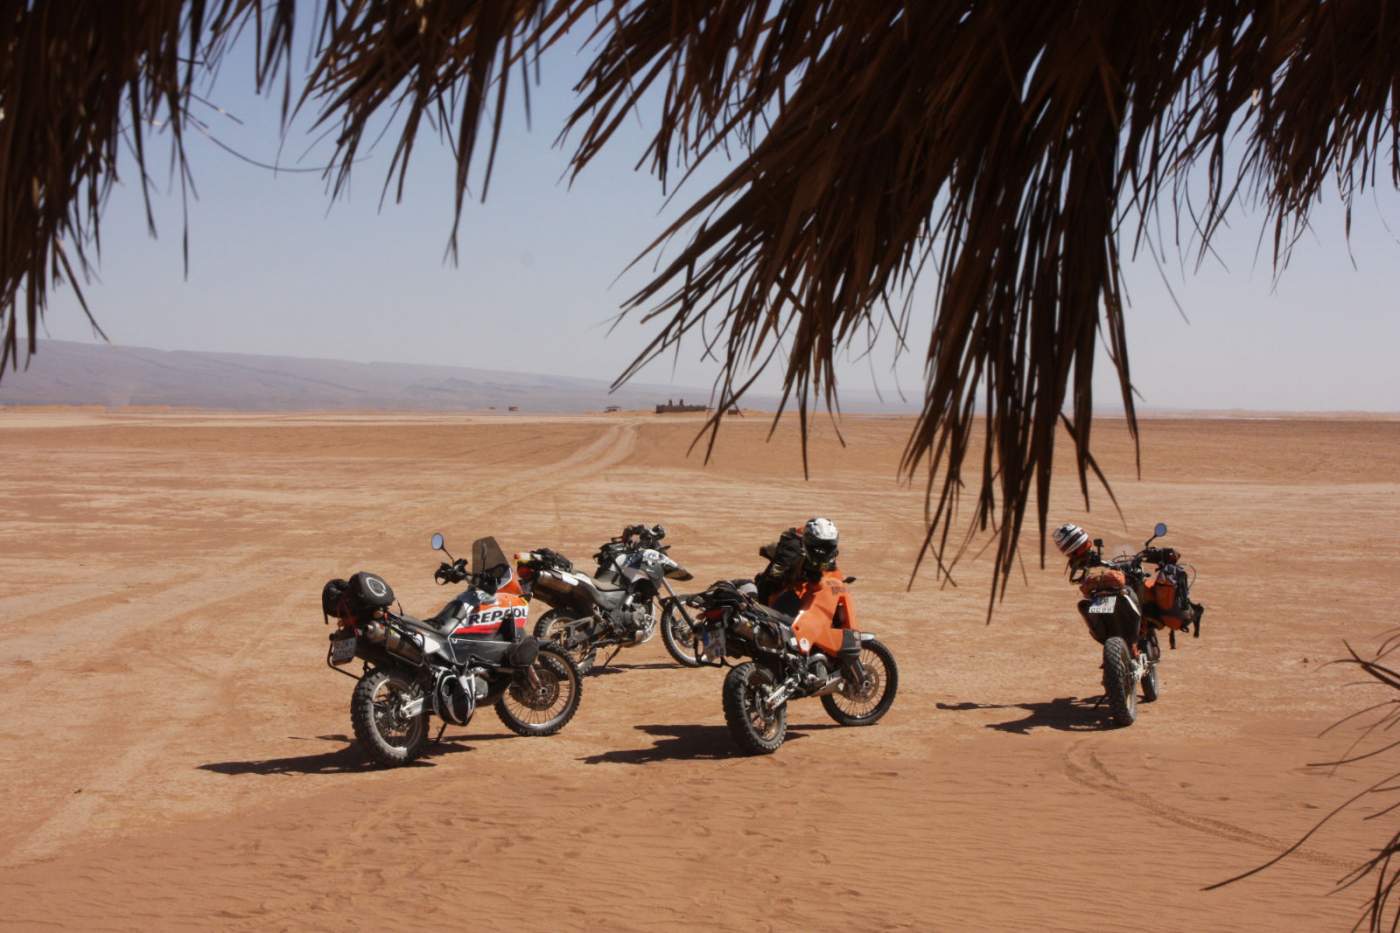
x=386, y=735
x=1119, y=684
x=756, y=730
x=865, y=703
x=1151, y=685
x=551, y=630
x=546, y=706
x=678, y=636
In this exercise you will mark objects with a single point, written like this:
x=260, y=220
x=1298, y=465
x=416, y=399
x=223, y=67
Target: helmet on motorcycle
x=1072, y=540
x=819, y=541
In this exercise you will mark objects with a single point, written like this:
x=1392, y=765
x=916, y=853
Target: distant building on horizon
x=671, y=407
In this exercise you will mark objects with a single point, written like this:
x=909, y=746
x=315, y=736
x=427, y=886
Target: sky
x=276, y=268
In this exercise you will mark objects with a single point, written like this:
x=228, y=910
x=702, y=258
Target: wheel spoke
x=862, y=701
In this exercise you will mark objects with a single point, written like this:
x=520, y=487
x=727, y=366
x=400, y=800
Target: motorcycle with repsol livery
x=817, y=653
x=615, y=607
x=474, y=652
x=1124, y=606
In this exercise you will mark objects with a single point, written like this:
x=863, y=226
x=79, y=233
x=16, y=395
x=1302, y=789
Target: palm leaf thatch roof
x=1018, y=150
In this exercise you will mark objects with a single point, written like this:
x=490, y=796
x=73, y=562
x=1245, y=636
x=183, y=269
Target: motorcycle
x=1124, y=607
x=817, y=653
x=615, y=607
x=474, y=652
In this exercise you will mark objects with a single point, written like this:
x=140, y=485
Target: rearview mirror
x=1160, y=530
x=437, y=541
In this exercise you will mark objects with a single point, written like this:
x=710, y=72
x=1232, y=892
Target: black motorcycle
x=473, y=653
x=615, y=607
x=1124, y=606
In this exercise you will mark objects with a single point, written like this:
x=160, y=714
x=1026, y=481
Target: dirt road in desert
x=174, y=752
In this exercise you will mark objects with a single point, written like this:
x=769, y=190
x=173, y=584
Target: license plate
x=1103, y=604
x=712, y=643
x=342, y=650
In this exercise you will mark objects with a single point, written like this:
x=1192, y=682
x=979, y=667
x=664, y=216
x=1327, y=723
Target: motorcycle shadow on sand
x=1065, y=714
x=347, y=759
x=689, y=743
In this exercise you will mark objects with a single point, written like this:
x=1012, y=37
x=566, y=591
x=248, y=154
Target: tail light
x=712, y=614
x=525, y=571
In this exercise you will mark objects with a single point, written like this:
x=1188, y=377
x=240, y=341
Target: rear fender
x=1125, y=621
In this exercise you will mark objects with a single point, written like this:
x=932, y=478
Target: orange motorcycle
x=1124, y=606
x=819, y=652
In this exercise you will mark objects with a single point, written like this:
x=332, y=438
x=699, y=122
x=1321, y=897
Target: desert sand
x=174, y=751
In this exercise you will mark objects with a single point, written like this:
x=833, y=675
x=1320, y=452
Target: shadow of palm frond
x=1381, y=871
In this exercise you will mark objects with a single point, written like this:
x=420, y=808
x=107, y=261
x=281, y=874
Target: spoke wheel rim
x=860, y=703
x=393, y=728
x=540, y=706
x=765, y=724
x=682, y=635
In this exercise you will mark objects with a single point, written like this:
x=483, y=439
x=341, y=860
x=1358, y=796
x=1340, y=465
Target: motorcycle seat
x=774, y=614
x=432, y=626
x=783, y=620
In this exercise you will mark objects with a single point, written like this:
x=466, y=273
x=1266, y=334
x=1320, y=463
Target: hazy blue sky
x=276, y=268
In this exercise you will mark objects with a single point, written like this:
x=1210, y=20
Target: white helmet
x=819, y=540
x=1072, y=540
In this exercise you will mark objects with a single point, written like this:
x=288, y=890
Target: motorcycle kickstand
x=611, y=656
x=443, y=728
x=1100, y=701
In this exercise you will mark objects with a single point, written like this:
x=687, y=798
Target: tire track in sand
x=207, y=675
x=1084, y=767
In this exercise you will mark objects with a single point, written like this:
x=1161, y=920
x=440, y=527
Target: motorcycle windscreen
x=487, y=557
x=677, y=572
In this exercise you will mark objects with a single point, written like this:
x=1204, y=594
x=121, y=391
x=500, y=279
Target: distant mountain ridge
x=70, y=373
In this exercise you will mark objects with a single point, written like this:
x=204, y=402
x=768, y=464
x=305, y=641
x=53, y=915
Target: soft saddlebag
x=369, y=593
x=1170, y=592
x=553, y=560
x=356, y=599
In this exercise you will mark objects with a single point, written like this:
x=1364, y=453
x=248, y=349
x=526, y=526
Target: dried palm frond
x=1017, y=150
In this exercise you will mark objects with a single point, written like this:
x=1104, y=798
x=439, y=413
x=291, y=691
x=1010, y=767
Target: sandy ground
x=174, y=752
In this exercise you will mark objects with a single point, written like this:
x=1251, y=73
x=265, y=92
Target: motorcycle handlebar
x=454, y=572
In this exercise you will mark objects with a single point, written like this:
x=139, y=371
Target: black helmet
x=819, y=540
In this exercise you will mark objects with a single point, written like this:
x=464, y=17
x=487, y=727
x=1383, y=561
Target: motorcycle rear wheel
x=549, y=629
x=531, y=711
x=385, y=736
x=873, y=700
x=1118, y=682
x=677, y=636
x=755, y=730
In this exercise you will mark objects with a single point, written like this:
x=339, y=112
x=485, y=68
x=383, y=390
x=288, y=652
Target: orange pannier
x=1098, y=579
x=1163, y=593
x=1162, y=590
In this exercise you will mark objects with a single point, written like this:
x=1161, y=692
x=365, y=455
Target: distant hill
x=69, y=373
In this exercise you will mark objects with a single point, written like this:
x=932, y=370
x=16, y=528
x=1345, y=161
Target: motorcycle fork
x=855, y=672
